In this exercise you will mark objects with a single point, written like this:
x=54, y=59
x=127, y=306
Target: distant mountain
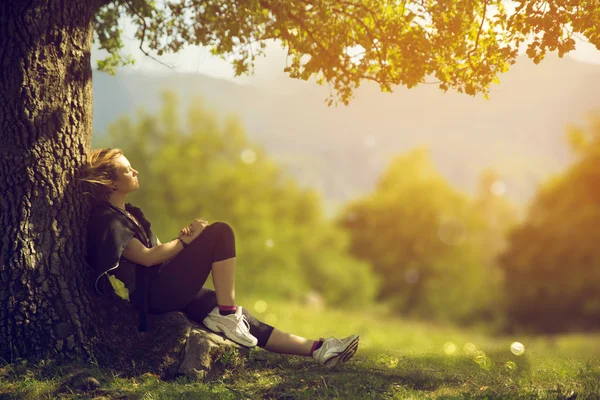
x=520, y=131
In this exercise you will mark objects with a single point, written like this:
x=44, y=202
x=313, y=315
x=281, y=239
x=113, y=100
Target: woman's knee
x=223, y=230
x=216, y=230
x=222, y=227
x=218, y=238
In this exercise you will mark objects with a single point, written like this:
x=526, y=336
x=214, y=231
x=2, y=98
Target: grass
x=397, y=359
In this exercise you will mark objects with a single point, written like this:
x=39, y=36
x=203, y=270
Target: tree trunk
x=45, y=128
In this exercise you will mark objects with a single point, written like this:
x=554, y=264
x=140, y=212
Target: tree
x=461, y=44
x=422, y=236
x=552, y=261
x=498, y=214
x=45, y=105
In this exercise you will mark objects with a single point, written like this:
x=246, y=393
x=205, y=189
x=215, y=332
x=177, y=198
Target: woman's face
x=127, y=180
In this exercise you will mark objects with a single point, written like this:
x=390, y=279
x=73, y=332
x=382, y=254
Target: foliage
x=553, y=262
x=205, y=168
x=463, y=44
x=427, y=243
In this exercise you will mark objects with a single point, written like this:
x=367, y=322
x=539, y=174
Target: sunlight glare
x=449, y=348
x=260, y=306
x=498, y=188
x=248, y=156
x=517, y=348
x=355, y=53
x=269, y=243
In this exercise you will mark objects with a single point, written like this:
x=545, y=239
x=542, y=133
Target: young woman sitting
x=120, y=242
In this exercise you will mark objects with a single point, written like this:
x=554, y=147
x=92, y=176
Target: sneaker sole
x=213, y=326
x=344, y=356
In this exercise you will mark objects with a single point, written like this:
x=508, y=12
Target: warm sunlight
x=355, y=199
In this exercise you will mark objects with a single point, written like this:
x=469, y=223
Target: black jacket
x=109, y=231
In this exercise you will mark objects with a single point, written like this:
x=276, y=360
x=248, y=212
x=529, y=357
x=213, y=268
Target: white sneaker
x=234, y=326
x=333, y=350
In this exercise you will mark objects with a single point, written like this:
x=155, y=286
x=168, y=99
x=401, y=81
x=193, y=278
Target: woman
x=120, y=242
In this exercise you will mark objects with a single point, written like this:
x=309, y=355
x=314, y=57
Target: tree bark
x=45, y=128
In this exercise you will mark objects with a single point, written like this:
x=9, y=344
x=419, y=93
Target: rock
x=80, y=381
x=173, y=345
x=205, y=352
x=89, y=383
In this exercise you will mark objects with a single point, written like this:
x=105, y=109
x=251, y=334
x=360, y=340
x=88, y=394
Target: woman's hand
x=186, y=231
x=191, y=232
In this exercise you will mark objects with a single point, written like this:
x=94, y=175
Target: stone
x=80, y=380
x=173, y=345
x=204, y=352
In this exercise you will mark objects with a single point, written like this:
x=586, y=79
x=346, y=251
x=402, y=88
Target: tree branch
x=477, y=38
x=144, y=27
x=326, y=51
x=367, y=29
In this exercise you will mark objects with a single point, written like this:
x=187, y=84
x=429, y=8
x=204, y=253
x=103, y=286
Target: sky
x=195, y=59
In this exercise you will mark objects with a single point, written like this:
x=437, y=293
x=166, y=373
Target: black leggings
x=178, y=285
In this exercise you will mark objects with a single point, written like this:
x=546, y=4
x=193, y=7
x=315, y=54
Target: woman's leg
x=223, y=276
x=270, y=338
x=286, y=343
x=328, y=352
x=180, y=279
x=179, y=287
x=206, y=300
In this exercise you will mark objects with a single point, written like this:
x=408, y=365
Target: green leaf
x=119, y=287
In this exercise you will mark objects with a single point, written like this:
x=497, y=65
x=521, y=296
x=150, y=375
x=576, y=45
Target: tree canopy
x=456, y=44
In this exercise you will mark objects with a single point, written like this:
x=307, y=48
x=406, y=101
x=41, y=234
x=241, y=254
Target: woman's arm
x=140, y=254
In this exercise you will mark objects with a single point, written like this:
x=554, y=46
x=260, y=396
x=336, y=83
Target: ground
x=397, y=359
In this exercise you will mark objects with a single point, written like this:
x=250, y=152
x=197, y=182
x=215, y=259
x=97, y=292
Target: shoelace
x=246, y=324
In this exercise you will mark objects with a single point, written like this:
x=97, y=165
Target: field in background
x=396, y=359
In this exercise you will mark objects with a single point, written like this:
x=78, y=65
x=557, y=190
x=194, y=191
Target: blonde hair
x=99, y=172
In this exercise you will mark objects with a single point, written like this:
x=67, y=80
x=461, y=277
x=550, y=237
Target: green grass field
x=396, y=360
